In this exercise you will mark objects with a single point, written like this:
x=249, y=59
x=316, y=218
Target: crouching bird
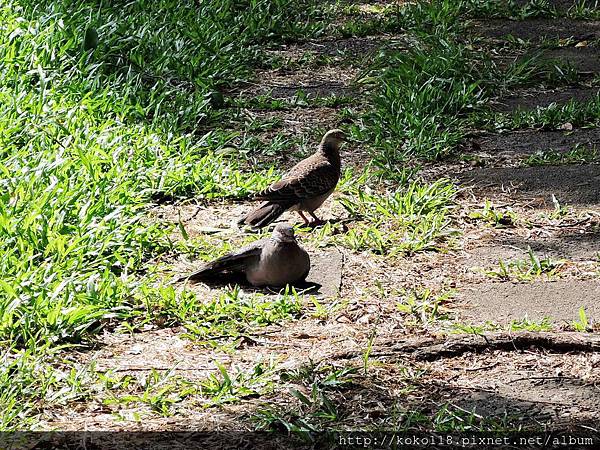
x=274, y=261
x=304, y=188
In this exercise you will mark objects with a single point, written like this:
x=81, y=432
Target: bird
x=274, y=261
x=304, y=188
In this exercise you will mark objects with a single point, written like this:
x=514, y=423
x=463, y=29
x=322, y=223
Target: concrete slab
x=531, y=99
x=558, y=300
x=570, y=246
x=525, y=143
x=326, y=272
x=538, y=29
x=576, y=185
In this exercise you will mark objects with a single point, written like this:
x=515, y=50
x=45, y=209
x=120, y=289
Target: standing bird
x=304, y=188
x=274, y=261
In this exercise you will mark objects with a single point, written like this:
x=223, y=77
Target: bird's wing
x=308, y=179
x=236, y=261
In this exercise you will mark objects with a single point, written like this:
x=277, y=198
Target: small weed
x=322, y=311
x=581, y=325
x=524, y=324
x=579, y=154
x=424, y=307
x=452, y=418
x=528, y=325
x=559, y=211
x=367, y=351
x=160, y=391
x=228, y=388
x=528, y=269
x=315, y=409
x=490, y=214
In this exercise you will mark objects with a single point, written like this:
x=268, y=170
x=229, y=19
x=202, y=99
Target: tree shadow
x=572, y=184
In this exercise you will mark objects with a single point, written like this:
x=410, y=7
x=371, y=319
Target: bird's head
x=283, y=232
x=333, y=138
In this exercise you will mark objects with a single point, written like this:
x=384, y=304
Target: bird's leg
x=316, y=220
x=306, y=221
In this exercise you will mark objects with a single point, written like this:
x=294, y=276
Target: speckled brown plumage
x=305, y=187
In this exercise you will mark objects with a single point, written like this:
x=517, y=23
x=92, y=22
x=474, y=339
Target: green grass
x=32, y=384
x=409, y=219
x=499, y=218
x=551, y=117
x=527, y=269
x=90, y=138
x=105, y=110
x=421, y=97
x=585, y=9
x=428, y=97
x=577, y=155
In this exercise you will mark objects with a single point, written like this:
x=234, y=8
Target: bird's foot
x=316, y=223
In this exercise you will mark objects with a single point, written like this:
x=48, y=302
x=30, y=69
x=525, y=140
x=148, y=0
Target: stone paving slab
x=569, y=246
x=582, y=59
x=528, y=142
x=575, y=185
x=561, y=5
x=326, y=271
x=532, y=99
x=537, y=30
x=504, y=302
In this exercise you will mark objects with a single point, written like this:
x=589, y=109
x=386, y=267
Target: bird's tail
x=215, y=269
x=206, y=272
x=263, y=215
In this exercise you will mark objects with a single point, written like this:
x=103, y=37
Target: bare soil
x=286, y=84
x=343, y=50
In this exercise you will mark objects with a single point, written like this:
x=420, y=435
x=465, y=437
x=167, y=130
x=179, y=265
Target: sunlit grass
x=106, y=110
x=407, y=220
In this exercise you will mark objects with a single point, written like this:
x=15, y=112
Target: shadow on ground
x=538, y=30
x=575, y=185
x=528, y=142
